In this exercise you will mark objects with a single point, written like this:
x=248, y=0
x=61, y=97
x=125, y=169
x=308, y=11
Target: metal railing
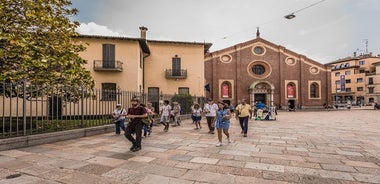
x=27, y=109
x=176, y=74
x=104, y=65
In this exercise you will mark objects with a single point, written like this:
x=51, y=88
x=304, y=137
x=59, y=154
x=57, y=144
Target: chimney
x=143, y=31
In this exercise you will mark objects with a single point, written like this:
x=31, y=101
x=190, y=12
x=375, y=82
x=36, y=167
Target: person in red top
x=135, y=114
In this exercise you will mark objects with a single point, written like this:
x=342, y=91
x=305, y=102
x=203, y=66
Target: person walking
x=176, y=114
x=135, y=114
x=197, y=116
x=210, y=112
x=118, y=116
x=165, y=115
x=245, y=113
x=223, y=116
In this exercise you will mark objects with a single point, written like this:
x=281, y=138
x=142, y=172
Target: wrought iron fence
x=27, y=109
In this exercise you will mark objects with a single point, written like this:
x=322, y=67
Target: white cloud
x=95, y=29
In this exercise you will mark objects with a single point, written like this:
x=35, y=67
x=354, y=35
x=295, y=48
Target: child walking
x=197, y=116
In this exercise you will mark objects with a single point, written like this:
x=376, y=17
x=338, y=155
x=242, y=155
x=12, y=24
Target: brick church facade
x=258, y=70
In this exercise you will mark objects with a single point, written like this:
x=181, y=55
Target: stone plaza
x=336, y=146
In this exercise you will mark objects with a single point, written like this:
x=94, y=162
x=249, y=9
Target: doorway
x=261, y=98
x=291, y=105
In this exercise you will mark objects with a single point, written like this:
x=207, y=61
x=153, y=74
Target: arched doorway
x=261, y=91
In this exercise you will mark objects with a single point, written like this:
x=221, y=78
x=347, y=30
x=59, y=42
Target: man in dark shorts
x=135, y=114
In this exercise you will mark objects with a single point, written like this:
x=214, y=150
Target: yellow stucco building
x=150, y=66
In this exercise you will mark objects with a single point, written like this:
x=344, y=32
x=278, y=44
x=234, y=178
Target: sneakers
x=218, y=144
x=132, y=147
x=229, y=140
x=245, y=135
x=137, y=148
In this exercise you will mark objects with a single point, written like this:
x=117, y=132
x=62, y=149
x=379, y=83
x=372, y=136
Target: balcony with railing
x=176, y=74
x=104, y=65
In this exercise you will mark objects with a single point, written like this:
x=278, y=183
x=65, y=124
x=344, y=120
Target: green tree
x=185, y=100
x=36, y=44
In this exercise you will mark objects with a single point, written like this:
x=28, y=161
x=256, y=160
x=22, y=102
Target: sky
x=323, y=30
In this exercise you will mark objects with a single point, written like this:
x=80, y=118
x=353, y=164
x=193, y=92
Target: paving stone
x=14, y=164
x=274, y=161
x=209, y=177
x=169, y=163
x=56, y=173
x=309, y=150
x=95, y=169
x=305, y=164
x=106, y=161
x=300, y=149
x=246, y=179
x=26, y=179
x=288, y=177
x=311, y=179
x=231, y=163
x=266, y=167
x=155, y=179
x=235, y=152
x=14, y=153
x=367, y=177
x=124, y=176
x=367, y=170
x=336, y=175
x=350, y=153
x=323, y=160
x=338, y=167
x=360, y=164
x=142, y=159
x=7, y=172
x=204, y=160
x=188, y=165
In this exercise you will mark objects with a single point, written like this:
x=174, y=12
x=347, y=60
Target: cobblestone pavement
x=299, y=147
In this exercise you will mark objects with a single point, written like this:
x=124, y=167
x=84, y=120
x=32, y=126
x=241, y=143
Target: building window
x=348, y=90
x=370, y=90
x=314, y=90
x=109, y=56
x=370, y=80
x=362, y=62
x=108, y=91
x=359, y=80
x=361, y=71
x=291, y=90
x=348, y=81
x=183, y=90
x=226, y=91
x=258, y=69
x=371, y=100
x=337, y=82
x=348, y=72
x=359, y=89
x=176, y=66
x=153, y=94
x=337, y=74
x=347, y=65
x=258, y=50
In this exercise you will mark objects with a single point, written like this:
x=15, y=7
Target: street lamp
x=290, y=16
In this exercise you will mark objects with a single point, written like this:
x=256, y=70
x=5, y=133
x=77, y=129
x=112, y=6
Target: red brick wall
x=280, y=71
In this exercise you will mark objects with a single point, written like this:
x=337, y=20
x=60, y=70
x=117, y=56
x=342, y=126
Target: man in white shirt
x=210, y=112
